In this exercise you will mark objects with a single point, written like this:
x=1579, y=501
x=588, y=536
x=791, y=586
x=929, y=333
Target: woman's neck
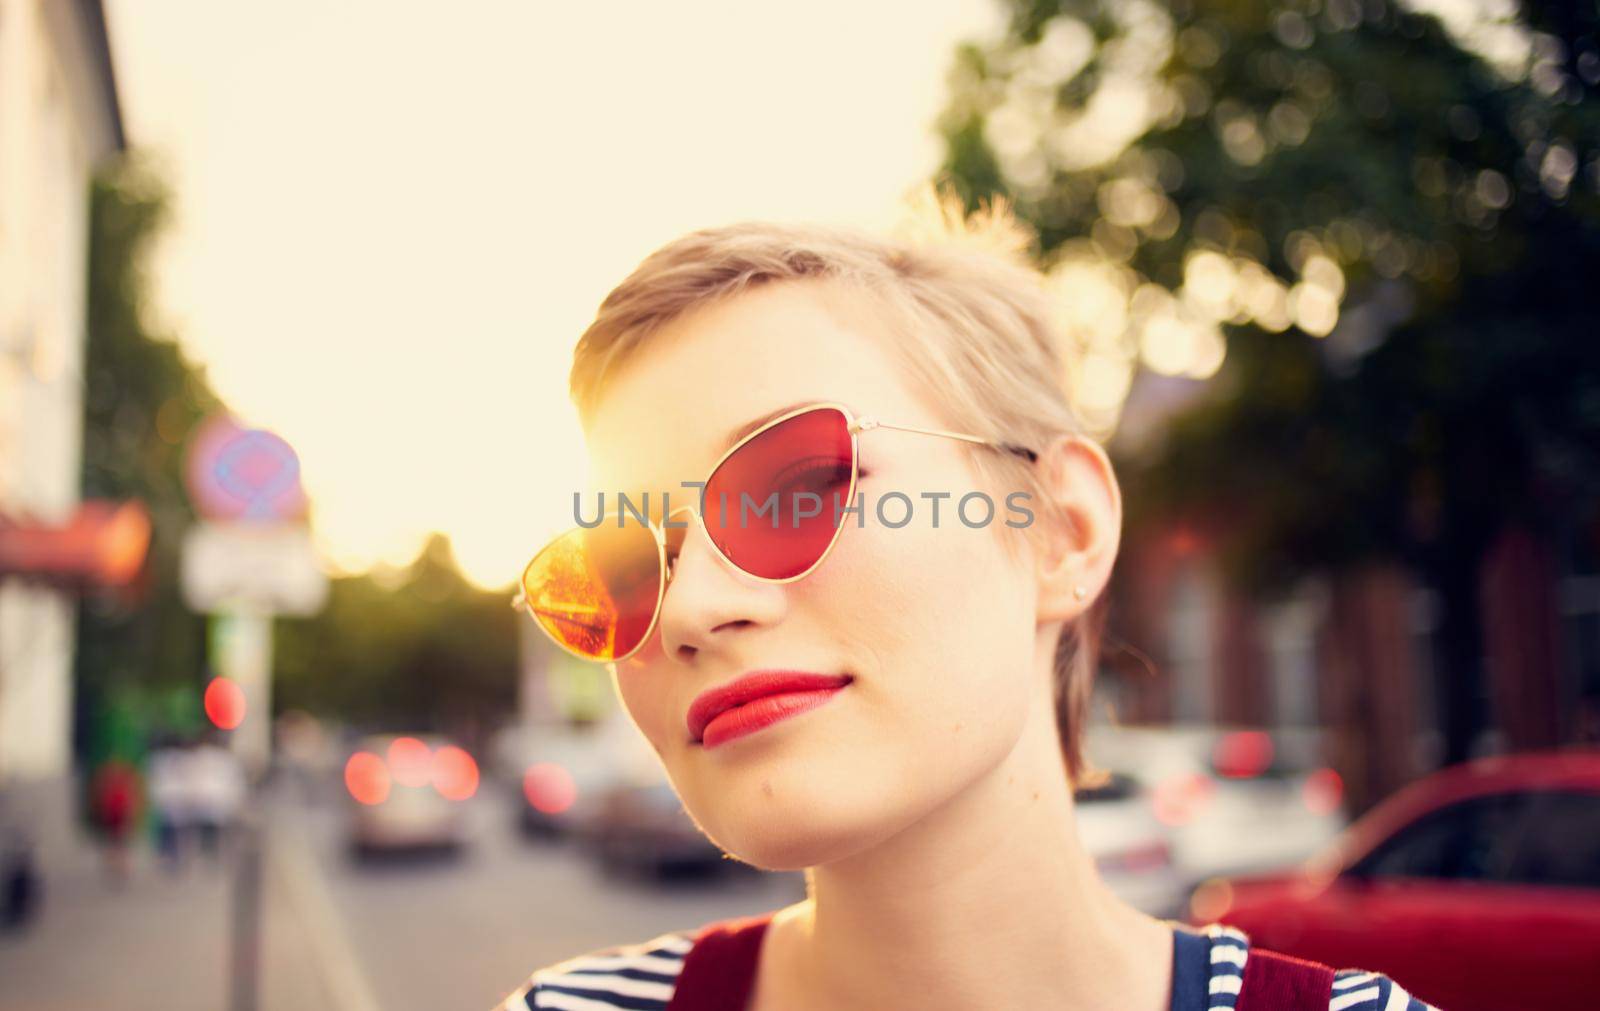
x=989, y=902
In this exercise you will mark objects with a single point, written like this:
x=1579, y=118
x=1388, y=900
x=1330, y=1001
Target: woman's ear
x=1079, y=548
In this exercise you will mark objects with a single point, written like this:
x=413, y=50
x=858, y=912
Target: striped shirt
x=640, y=977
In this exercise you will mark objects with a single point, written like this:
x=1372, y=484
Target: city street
x=1180, y=502
x=422, y=932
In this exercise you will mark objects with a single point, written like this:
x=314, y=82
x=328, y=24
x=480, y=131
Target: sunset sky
x=392, y=220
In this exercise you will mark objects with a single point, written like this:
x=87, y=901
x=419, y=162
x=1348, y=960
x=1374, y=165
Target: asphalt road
x=440, y=932
x=415, y=935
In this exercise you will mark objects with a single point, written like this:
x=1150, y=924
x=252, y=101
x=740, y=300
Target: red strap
x=720, y=968
x=1274, y=981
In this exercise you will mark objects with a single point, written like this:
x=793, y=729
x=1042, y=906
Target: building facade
x=59, y=119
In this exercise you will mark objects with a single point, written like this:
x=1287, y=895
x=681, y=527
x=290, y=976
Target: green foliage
x=431, y=650
x=1459, y=205
x=141, y=399
x=1452, y=205
x=431, y=653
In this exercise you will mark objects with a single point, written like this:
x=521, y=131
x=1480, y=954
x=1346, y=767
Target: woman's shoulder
x=1354, y=989
x=638, y=976
x=641, y=976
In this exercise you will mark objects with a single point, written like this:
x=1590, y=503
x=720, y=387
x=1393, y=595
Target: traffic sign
x=239, y=473
x=270, y=568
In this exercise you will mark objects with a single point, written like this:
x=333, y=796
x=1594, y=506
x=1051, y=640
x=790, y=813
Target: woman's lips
x=758, y=700
x=763, y=712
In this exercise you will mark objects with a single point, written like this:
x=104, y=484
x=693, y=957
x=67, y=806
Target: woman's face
x=935, y=624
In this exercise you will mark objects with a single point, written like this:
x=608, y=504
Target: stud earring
x=1080, y=592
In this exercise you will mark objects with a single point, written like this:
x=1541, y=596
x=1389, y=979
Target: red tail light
x=1179, y=799
x=455, y=774
x=410, y=761
x=1323, y=791
x=1245, y=754
x=549, y=788
x=224, y=703
x=366, y=777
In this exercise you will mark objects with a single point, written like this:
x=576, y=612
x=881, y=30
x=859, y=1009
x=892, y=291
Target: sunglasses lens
x=770, y=506
x=595, y=591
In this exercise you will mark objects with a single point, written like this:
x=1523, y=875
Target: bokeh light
x=366, y=777
x=549, y=788
x=410, y=761
x=455, y=774
x=224, y=703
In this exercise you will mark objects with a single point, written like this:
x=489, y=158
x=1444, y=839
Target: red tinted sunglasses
x=597, y=590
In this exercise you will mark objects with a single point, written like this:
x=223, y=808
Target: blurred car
x=1477, y=888
x=1233, y=799
x=408, y=792
x=636, y=823
x=642, y=828
x=555, y=773
x=599, y=784
x=1130, y=846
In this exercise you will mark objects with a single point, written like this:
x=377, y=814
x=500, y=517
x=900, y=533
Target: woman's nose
x=708, y=602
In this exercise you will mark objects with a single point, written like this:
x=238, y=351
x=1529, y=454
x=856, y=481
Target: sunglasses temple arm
x=1021, y=451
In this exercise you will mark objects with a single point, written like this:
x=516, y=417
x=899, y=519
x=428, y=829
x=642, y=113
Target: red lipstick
x=756, y=700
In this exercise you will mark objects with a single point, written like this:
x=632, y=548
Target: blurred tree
x=430, y=653
x=1380, y=237
x=141, y=399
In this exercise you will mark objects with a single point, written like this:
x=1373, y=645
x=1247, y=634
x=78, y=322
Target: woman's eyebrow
x=755, y=423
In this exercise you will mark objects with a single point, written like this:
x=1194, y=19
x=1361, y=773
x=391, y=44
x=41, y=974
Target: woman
x=893, y=702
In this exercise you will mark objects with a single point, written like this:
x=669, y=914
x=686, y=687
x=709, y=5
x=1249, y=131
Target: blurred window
x=1474, y=840
x=1562, y=846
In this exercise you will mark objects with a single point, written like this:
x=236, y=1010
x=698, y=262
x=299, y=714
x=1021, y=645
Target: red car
x=1475, y=888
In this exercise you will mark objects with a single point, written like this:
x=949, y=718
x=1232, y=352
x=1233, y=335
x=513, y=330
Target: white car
x=601, y=786
x=408, y=792
x=642, y=828
x=1131, y=847
x=557, y=772
x=1232, y=799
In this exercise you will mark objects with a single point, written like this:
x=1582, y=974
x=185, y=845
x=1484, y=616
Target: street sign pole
x=245, y=950
x=249, y=559
x=241, y=651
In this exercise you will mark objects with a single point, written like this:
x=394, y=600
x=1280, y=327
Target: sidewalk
x=162, y=942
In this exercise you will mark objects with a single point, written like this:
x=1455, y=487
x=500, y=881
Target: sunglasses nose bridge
x=673, y=547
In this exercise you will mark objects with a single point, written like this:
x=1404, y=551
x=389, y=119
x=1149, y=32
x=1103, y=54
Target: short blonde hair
x=967, y=312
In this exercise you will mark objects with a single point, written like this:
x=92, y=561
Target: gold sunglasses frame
x=664, y=568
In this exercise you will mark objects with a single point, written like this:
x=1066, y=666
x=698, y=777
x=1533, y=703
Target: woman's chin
x=778, y=854
x=807, y=836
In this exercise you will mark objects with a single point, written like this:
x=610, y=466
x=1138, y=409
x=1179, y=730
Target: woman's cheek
x=639, y=684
